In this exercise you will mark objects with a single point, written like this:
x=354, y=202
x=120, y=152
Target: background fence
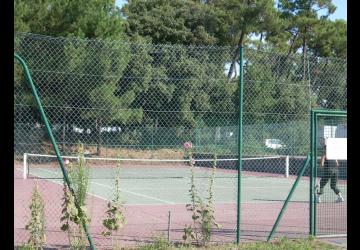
x=143, y=101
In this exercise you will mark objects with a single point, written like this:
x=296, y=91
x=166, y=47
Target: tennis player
x=331, y=172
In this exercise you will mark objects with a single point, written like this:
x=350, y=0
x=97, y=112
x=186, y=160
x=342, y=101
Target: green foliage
x=278, y=244
x=276, y=87
x=26, y=246
x=160, y=243
x=181, y=22
x=21, y=90
x=99, y=18
x=207, y=210
x=36, y=225
x=79, y=176
x=330, y=85
x=305, y=29
x=220, y=22
x=329, y=39
x=170, y=88
x=66, y=18
x=71, y=215
x=115, y=219
x=21, y=11
x=198, y=22
x=202, y=212
x=294, y=24
x=201, y=22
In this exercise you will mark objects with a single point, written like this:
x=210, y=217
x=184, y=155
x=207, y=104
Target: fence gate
x=328, y=191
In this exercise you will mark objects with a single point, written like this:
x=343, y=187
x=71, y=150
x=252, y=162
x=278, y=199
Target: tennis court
x=153, y=191
x=167, y=182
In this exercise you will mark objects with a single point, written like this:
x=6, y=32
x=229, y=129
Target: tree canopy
x=162, y=63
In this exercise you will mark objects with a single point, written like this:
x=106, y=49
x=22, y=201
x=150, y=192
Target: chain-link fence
x=141, y=102
x=330, y=173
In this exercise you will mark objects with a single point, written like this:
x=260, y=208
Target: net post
x=287, y=166
x=25, y=166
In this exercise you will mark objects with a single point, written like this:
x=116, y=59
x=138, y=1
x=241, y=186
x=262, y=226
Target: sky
x=341, y=10
x=340, y=13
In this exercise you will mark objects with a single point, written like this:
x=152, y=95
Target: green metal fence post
x=314, y=174
x=240, y=146
x=301, y=173
x=313, y=163
x=52, y=139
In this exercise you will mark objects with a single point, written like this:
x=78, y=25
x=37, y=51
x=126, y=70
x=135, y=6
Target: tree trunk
x=63, y=137
x=260, y=41
x=304, y=55
x=217, y=134
x=63, y=134
x=156, y=123
x=98, y=148
x=292, y=44
x=237, y=51
x=289, y=53
x=154, y=132
x=236, y=54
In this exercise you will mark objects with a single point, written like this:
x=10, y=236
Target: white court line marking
x=223, y=187
x=153, y=198
x=278, y=185
x=158, y=204
x=60, y=183
x=220, y=203
x=134, y=193
x=123, y=190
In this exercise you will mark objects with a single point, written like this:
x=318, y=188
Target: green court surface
x=147, y=185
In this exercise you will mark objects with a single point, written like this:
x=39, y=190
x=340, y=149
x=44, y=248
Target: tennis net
x=45, y=166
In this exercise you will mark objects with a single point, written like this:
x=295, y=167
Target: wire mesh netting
x=141, y=103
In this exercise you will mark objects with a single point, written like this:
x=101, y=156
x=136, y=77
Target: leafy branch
x=115, y=219
x=71, y=216
x=36, y=225
x=203, y=217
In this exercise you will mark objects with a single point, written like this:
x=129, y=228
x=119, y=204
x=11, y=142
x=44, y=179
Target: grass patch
x=279, y=244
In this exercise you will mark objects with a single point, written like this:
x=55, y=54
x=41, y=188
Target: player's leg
x=323, y=181
x=334, y=187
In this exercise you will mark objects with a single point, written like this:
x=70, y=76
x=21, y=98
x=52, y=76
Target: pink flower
x=187, y=145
